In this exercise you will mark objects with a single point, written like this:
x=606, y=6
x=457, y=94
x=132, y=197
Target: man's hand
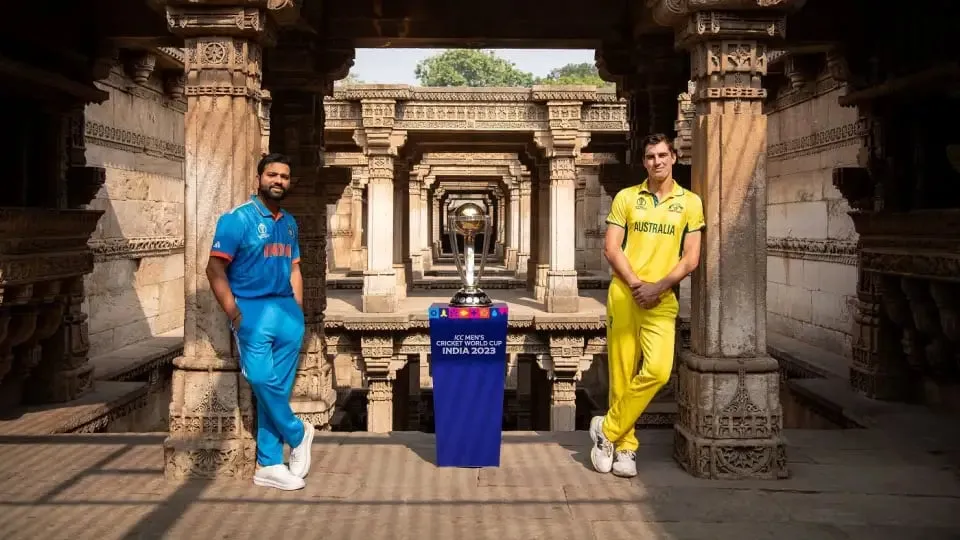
x=647, y=295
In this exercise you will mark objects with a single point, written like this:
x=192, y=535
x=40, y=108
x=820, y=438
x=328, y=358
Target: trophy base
x=468, y=298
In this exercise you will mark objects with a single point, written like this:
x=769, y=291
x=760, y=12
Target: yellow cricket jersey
x=654, y=230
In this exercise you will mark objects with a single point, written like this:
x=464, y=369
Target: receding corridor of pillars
x=440, y=183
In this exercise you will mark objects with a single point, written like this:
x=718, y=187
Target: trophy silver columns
x=468, y=220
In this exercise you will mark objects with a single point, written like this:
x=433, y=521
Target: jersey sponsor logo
x=216, y=245
x=654, y=228
x=277, y=250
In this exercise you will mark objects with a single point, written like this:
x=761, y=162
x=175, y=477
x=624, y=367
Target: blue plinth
x=469, y=364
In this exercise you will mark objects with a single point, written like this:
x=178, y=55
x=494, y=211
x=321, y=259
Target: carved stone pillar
x=499, y=247
x=377, y=351
x=380, y=143
x=879, y=369
x=211, y=415
x=379, y=278
x=426, y=253
x=562, y=294
x=563, y=367
x=513, y=220
x=416, y=253
x=44, y=254
x=524, y=219
x=435, y=225
x=580, y=221
x=541, y=264
x=730, y=419
x=296, y=125
x=401, y=227
x=358, y=182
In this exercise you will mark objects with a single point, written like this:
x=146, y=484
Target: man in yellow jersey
x=652, y=243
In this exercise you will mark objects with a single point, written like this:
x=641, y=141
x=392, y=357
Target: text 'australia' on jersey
x=654, y=229
x=261, y=247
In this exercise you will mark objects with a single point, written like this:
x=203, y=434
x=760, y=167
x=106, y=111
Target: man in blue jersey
x=254, y=271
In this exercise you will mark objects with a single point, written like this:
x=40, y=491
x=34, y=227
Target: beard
x=273, y=193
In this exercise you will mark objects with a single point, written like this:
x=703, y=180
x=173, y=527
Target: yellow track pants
x=631, y=332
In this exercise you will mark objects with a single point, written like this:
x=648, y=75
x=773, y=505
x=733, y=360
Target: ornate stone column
x=416, y=253
x=401, y=226
x=730, y=418
x=513, y=220
x=436, y=228
x=380, y=143
x=580, y=221
x=211, y=414
x=297, y=119
x=542, y=226
x=358, y=181
x=525, y=220
x=426, y=253
x=564, y=367
x=499, y=248
x=561, y=145
x=380, y=370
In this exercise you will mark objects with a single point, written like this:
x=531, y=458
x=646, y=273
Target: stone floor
x=845, y=484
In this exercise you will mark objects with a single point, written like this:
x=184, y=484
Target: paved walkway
x=845, y=484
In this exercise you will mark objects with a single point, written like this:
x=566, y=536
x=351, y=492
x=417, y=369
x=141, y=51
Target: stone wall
x=136, y=288
x=811, y=242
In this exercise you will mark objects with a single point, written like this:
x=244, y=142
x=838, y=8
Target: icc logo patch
x=262, y=230
x=676, y=208
x=641, y=203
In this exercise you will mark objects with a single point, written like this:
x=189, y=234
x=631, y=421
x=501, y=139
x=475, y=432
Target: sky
x=396, y=65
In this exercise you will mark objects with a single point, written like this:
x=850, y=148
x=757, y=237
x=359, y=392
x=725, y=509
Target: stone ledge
x=930, y=430
x=130, y=362
x=91, y=413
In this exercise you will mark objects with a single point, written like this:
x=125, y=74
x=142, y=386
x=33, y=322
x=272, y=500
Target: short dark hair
x=656, y=138
x=271, y=158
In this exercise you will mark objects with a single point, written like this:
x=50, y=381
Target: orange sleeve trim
x=221, y=255
x=296, y=261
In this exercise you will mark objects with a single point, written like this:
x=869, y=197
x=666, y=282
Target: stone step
x=92, y=412
x=130, y=393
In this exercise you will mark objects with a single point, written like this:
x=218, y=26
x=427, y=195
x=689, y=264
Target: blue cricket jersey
x=261, y=248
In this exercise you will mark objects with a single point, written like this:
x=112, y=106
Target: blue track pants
x=269, y=340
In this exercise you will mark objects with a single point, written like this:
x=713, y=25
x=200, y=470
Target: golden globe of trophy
x=469, y=220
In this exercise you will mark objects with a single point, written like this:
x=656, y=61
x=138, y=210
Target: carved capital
x=672, y=13
x=223, y=66
x=285, y=12
x=729, y=54
x=192, y=20
x=710, y=26
x=174, y=84
x=140, y=66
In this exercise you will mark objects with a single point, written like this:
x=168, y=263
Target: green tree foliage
x=351, y=78
x=584, y=73
x=470, y=67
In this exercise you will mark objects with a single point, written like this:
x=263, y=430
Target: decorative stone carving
x=814, y=249
x=211, y=414
x=141, y=66
x=729, y=423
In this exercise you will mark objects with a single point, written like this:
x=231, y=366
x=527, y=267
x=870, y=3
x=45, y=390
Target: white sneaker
x=601, y=455
x=300, y=456
x=278, y=476
x=626, y=464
